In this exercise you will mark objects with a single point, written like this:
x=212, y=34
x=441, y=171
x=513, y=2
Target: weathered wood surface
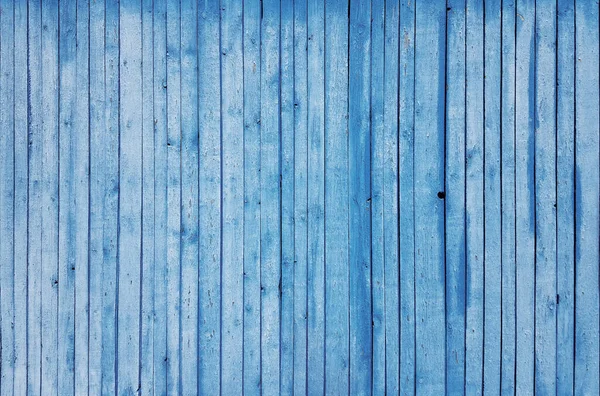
x=276, y=197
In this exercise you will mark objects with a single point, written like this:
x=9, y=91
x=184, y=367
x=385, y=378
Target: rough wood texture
x=299, y=197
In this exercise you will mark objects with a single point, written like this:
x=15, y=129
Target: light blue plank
x=189, y=198
x=378, y=190
x=359, y=170
x=160, y=197
x=336, y=199
x=455, y=196
x=270, y=199
x=300, y=196
x=111, y=198
x=252, y=240
x=587, y=192
x=315, y=375
x=96, y=219
x=50, y=198
x=474, y=200
x=147, y=317
x=492, y=200
x=174, y=187
x=68, y=208
x=21, y=214
x=406, y=120
x=34, y=242
x=545, y=200
x=430, y=21
x=81, y=181
x=390, y=199
x=287, y=196
x=209, y=211
x=507, y=379
x=7, y=200
x=565, y=198
x=525, y=195
x=232, y=227
x=130, y=197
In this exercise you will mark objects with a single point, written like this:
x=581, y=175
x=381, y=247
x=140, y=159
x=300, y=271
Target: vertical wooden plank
x=587, y=191
x=391, y=197
x=270, y=198
x=359, y=171
x=174, y=187
x=130, y=196
x=545, y=197
x=232, y=190
x=34, y=224
x=525, y=195
x=111, y=199
x=316, y=198
x=492, y=199
x=430, y=26
x=68, y=207
x=378, y=189
x=565, y=197
x=300, y=195
x=287, y=196
x=147, y=290
x=336, y=199
x=209, y=99
x=232, y=151
x=21, y=213
x=189, y=197
x=96, y=215
x=160, y=197
x=81, y=174
x=252, y=209
x=508, y=200
x=474, y=200
x=406, y=120
x=50, y=197
x=7, y=200
x=455, y=196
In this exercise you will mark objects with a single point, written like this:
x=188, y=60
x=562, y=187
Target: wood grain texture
x=299, y=197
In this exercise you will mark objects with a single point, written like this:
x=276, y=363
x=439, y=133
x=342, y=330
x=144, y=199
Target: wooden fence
x=308, y=197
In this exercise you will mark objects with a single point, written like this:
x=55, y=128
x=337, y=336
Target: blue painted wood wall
x=305, y=197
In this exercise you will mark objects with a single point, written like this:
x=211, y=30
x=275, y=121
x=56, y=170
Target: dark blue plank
x=359, y=146
x=455, y=197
